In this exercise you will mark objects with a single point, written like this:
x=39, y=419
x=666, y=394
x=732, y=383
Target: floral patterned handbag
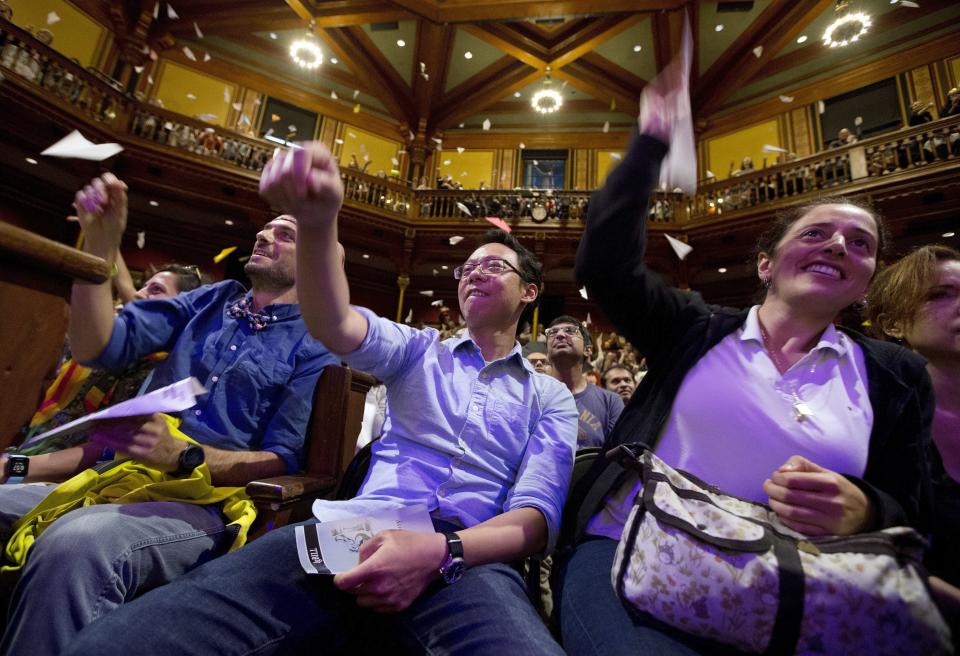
x=727, y=569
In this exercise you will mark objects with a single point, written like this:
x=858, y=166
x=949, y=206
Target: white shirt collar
x=831, y=338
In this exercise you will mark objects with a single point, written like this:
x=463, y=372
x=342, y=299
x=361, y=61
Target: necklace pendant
x=801, y=411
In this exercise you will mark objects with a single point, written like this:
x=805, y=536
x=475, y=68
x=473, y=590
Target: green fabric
x=129, y=482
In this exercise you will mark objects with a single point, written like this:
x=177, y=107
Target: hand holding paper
x=304, y=182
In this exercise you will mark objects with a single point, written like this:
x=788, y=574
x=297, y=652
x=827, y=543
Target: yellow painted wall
x=606, y=161
x=734, y=146
x=76, y=35
x=955, y=69
x=176, y=81
x=364, y=145
x=469, y=168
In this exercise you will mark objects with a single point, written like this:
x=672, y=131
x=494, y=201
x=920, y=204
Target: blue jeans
x=258, y=600
x=593, y=620
x=92, y=560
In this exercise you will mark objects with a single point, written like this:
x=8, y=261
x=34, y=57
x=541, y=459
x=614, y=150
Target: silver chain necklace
x=801, y=410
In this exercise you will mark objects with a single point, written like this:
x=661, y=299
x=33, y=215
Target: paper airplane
x=171, y=12
x=334, y=96
x=499, y=223
x=141, y=239
x=53, y=17
x=767, y=148
x=456, y=239
x=189, y=53
x=583, y=293
x=908, y=3
x=206, y=57
x=76, y=146
x=191, y=96
x=356, y=92
x=409, y=317
x=427, y=292
x=606, y=127
x=460, y=149
x=338, y=141
x=682, y=249
x=463, y=208
x=138, y=69
x=786, y=99
x=237, y=106
x=437, y=303
x=486, y=124
x=446, y=162
x=156, y=11
x=196, y=28
x=758, y=52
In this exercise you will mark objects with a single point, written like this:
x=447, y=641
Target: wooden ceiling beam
x=618, y=76
x=777, y=25
x=300, y=9
x=473, y=98
x=241, y=21
x=434, y=43
x=585, y=78
x=667, y=30
x=584, y=41
x=515, y=44
x=354, y=47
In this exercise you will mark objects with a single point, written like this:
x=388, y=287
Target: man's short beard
x=268, y=279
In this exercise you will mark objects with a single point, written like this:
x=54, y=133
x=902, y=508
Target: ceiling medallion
x=305, y=52
x=848, y=27
x=547, y=100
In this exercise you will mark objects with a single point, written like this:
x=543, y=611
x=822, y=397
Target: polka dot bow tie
x=242, y=308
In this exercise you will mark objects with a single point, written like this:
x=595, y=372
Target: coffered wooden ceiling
x=601, y=53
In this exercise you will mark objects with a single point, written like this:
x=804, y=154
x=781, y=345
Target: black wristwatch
x=452, y=568
x=16, y=468
x=190, y=458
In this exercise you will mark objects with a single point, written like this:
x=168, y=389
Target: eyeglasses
x=569, y=331
x=495, y=266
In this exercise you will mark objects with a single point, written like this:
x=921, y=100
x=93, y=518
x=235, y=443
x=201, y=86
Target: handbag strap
x=789, y=619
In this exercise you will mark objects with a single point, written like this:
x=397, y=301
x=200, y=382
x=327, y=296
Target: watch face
x=193, y=457
x=454, y=572
x=17, y=466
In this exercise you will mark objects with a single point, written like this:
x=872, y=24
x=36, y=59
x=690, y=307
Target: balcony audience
x=916, y=302
x=835, y=424
x=250, y=350
x=844, y=138
x=919, y=113
x=598, y=408
x=466, y=416
x=952, y=106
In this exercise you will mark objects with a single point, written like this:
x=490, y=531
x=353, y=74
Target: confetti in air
x=456, y=239
x=682, y=249
x=189, y=53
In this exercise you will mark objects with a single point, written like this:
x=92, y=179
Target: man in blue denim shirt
x=250, y=350
x=472, y=432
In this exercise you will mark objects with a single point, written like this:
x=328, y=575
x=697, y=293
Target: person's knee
x=83, y=534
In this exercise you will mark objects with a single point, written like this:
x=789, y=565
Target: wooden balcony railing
x=90, y=97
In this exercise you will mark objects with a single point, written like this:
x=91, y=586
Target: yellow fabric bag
x=128, y=481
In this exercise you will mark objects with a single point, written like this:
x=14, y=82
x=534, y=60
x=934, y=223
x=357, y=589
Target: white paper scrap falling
x=437, y=303
x=191, y=96
x=338, y=141
x=172, y=398
x=486, y=124
x=237, y=106
x=171, y=12
x=76, y=146
x=333, y=95
x=616, y=157
x=460, y=149
x=786, y=99
x=427, y=292
x=189, y=53
x=356, y=92
x=53, y=17
x=767, y=148
x=821, y=108
x=395, y=161
x=138, y=69
x=156, y=11
x=456, y=239
x=409, y=316
x=196, y=28
x=858, y=121
x=141, y=239
x=583, y=293
x=758, y=52
x=463, y=208
x=606, y=127
x=908, y=3
x=206, y=57
x=682, y=249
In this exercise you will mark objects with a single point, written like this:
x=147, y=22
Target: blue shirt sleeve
x=389, y=347
x=151, y=325
x=544, y=473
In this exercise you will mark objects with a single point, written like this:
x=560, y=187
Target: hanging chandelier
x=847, y=28
x=547, y=100
x=305, y=52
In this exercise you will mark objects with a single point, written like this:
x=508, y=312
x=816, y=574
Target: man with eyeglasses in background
x=598, y=408
x=474, y=434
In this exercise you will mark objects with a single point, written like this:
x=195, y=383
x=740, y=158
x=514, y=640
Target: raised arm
x=305, y=183
x=102, y=210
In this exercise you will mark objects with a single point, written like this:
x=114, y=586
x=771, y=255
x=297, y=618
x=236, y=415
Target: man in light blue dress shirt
x=473, y=433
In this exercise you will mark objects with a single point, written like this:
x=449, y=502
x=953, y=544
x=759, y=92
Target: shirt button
x=441, y=493
x=233, y=347
x=214, y=378
x=198, y=412
x=476, y=408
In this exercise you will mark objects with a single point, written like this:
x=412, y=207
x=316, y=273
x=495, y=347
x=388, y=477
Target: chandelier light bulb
x=306, y=54
x=546, y=101
x=846, y=29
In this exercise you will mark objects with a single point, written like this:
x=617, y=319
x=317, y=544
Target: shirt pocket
x=508, y=429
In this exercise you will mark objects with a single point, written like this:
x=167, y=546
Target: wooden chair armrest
x=279, y=489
